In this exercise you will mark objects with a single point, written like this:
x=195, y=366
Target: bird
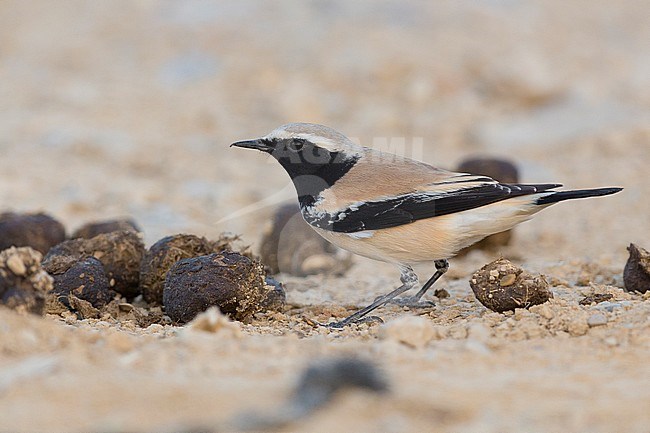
x=397, y=210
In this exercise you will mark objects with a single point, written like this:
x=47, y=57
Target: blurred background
x=127, y=107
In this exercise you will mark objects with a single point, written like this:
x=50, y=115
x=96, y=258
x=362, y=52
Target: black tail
x=578, y=193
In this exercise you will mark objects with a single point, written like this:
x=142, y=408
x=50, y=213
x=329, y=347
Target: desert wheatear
x=395, y=209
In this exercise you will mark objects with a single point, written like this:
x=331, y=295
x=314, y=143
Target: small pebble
x=213, y=320
x=597, y=319
x=608, y=306
x=124, y=306
x=441, y=293
x=155, y=328
x=16, y=265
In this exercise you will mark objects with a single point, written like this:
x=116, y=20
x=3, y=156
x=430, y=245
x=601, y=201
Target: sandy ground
x=126, y=108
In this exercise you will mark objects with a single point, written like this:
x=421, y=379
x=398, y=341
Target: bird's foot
x=346, y=322
x=412, y=302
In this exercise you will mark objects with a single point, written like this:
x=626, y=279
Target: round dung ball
x=120, y=253
x=231, y=281
x=95, y=228
x=162, y=255
x=500, y=170
x=85, y=279
x=502, y=286
x=39, y=231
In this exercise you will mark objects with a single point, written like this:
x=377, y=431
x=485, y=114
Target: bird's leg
x=409, y=280
x=414, y=301
x=442, y=266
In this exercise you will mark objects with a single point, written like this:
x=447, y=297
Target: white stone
x=16, y=265
x=597, y=319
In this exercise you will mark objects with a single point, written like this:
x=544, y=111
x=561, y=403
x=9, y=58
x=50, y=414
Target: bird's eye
x=296, y=145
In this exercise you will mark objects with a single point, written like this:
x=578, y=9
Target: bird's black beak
x=253, y=144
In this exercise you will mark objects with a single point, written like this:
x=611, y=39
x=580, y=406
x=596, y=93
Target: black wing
x=407, y=208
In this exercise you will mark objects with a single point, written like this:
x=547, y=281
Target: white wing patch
x=365, y=234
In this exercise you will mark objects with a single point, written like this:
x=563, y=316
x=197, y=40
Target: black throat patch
x=312, y=169
x=310, y=185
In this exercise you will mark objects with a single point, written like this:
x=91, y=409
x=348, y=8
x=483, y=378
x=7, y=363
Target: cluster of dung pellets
x=104, y=268
x=162, y=255
x=188, y=274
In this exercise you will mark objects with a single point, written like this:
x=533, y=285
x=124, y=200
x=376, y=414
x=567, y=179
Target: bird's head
x=315, y=156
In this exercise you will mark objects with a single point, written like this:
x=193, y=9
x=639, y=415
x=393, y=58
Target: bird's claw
x=343, y=323
x=412, y=302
